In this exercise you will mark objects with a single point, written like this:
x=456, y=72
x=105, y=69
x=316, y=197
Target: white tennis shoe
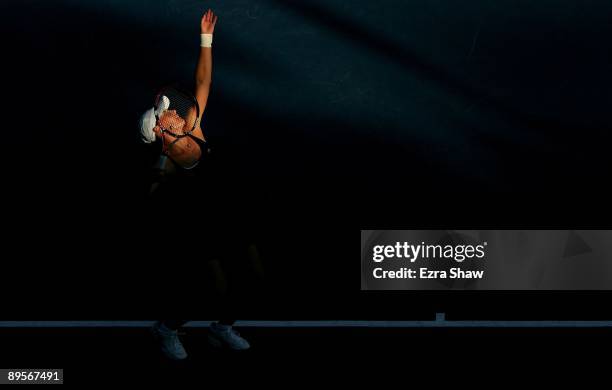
x=169, y=341
x=224, y=336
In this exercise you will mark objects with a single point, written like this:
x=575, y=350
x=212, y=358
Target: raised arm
x=204, y=67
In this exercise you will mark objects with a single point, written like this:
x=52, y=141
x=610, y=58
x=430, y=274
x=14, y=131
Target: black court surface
x=292, y=356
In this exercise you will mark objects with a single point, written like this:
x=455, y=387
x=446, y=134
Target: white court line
x=440, y=322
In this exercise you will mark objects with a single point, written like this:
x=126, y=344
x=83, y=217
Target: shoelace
x=176, y=342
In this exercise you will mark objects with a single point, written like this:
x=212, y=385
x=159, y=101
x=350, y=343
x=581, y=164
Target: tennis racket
x=177, y=126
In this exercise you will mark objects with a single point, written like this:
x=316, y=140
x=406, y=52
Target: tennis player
x=220, y=227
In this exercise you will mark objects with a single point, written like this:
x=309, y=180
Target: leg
x=221, y=333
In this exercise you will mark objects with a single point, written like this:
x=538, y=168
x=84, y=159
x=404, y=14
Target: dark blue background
x=349, y=115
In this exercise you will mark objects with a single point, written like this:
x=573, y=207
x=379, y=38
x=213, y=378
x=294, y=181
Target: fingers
x=209, y=17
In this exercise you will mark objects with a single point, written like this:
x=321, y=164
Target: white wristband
x=206, y=40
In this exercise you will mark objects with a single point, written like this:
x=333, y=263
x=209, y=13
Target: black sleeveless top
x=204, y=147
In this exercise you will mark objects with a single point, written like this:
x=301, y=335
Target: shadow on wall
x=314, y=112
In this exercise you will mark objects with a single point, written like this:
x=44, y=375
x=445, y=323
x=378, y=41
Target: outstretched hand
x=207, y=25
